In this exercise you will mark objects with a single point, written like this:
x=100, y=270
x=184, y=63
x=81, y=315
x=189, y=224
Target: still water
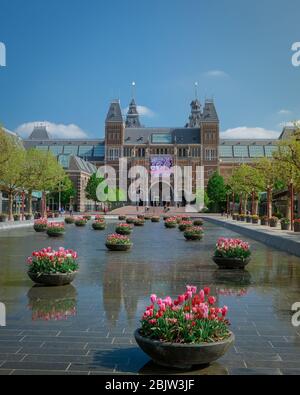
x=88, y=326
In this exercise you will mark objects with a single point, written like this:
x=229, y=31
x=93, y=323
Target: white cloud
x=216, y=74
x=284, y=124
x=244, y=132
x=62, y=131
x=143, y=111
x=284, y=112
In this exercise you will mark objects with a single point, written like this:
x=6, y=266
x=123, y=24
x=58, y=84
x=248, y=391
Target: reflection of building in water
x=124, y=283
x=52, y=303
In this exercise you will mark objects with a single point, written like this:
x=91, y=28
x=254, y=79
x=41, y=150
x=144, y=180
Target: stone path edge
x=279, y=242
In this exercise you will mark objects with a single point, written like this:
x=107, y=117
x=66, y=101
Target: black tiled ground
x=101, y=310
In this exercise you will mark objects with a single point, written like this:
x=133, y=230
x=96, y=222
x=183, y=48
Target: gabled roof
x=114, y=113
x=135, y=136
x=209, y=112
x=39, y=133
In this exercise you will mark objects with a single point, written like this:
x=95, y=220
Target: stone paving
x=87, y=328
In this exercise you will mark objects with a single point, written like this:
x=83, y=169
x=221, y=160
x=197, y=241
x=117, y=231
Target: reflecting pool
x=88, y=327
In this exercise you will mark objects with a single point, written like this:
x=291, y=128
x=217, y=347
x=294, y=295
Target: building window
x=113, y=153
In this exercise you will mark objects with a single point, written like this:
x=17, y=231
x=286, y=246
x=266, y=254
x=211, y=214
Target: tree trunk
x=44, y=211
x=10, y=206
x=269, y=202
x=30, y=202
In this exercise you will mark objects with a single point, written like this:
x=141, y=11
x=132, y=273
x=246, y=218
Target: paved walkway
x=283, y=240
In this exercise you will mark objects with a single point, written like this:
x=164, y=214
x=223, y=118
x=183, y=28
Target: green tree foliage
x=216, y=193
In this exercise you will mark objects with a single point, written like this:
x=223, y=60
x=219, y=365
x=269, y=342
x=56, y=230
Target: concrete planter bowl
x=99, y=226
x=122, y=217
x=171, y=225
x=285, y=226
x=119, y=247
x=56, y=279
x=183, y=356
x=296, y=227
x=40, y=229
x=194, y=237
x=139, y=223
x=123, y=231
x=231, y=263
x=155, y=219
x=52, y=233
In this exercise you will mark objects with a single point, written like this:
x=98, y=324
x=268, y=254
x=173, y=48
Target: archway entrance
x=161, y=194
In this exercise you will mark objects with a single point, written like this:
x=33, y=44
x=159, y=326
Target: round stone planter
x=248, y=220
x=129, y=220
x=285, y=226
x=296, y=227
x=255, y=221
x=231, y=263
x=183, y=227
x=123, y=232
x=57, y=279
x=118, y=247
x=155, y=219
x=273, y=224
x=80, y=224
x=170, y=225
x=69, y=221
x=193, y=237
x=147, y=217
x=242, y=219
x=234, y=217
x=264, y=222
x=55, y=234
x=139, y=223
x=183, y=356
x=198, y=222
x=122, y=217
x=99, y=226
x=39, y=229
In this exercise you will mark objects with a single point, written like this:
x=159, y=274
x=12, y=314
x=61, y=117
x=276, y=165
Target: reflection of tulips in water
x=232, y=292
x=52, y=304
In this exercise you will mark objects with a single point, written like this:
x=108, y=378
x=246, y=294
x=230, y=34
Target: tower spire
x=132, y=118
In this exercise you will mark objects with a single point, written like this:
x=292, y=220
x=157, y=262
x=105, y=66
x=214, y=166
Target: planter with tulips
x=99, y=224
x=255, y=219
x=198, y=222
x=69, y=220
x=55, y=229
x=40, y=225
x=155, y=219
x=53, y=268
x=171, y=223
x=184, y=225
x=139, y=222
x=190, y=330
x=80, y=221
x=116, y=242
x=232, y=253
x=124, y=229
x=193, y=233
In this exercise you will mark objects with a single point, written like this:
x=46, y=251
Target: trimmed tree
x=216, y=193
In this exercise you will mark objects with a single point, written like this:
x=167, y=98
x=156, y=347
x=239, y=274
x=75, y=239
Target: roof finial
x=133, y=89
x=196, y=90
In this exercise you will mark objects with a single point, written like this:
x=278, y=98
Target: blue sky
x=66, y=59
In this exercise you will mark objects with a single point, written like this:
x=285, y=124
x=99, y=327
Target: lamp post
x=269, y=214
x=228, y=204
x=233, y=203
x=291, y=188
